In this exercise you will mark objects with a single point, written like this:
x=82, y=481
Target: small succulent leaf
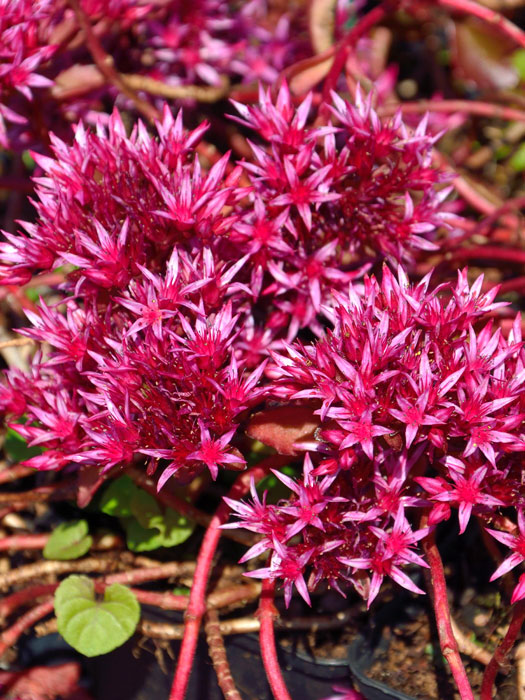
x=68, y=541
x=145, y=509
x=517, y=161
x=483, y=57
x=142, y=539
x=281, y=428
x=116, y=499
x=176, y=528
x=89, y=479
x=518, y=61
x=95, y=627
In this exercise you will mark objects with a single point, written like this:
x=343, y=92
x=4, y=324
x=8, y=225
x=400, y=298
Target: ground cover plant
x=261, y=334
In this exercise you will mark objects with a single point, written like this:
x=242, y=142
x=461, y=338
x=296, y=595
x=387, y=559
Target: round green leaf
x=117, y=497
x=68, y=541
x=142, y=539
x=176, y=528
x=146, y=509
x=95, y=627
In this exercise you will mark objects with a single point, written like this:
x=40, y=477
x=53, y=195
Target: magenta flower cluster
x=416, y=409
x=188, y=296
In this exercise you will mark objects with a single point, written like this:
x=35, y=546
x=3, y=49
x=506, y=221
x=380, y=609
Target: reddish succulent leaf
x=89, y=480
x=321, y=21
x=282, y=427
x=76, y=80
x=483, y=57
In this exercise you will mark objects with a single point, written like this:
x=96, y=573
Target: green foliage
x=117, y=497
x=68, y=541
x=517, y=162
x=275, y=488
x=147, y=525
x=95, y=627
x=28, y=160
x=16, y=447
x=518, y=60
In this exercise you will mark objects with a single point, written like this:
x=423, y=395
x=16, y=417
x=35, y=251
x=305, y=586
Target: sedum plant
x=202, y=301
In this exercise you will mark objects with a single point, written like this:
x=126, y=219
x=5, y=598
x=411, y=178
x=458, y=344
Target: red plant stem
x=495, y=19
x=197, y=602
x=267, y=614
x=38, y=495
x=218, y=656
x=23, y=542
x=346, y=44
x=10, y=636
x=490, y=252
x=484, y=109
x=14, y=601
x=514, y=285
x=18, y=184
x=438, y=594
x=502, y=650
x=165, y=601
x=104, y=63
x=14, y=473
x=153, y=573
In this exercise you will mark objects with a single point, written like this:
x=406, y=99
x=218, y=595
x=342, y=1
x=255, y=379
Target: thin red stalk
x=502, y=650
x=484, y=109
x=11, y=635
x=23, y=542
x=495, y=19
x=153, y=573
x=438, y=594
x=43, y=493
x=14, y=473
x=197, y=602
x=514, y=285
x=165, y=601
x=348, y=42
x=218, y=656
x=18, y=184
x=16, y=600
x=104, y=63
x=267, y=614
x=490, y=252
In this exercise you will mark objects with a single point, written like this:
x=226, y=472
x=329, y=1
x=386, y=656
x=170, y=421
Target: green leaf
x=518, y=60
x=95, y=627
x=68, y=541
x=28, y=160
x=117, y=497
x=147, y=526
x=517, y=162
x=168, y=530
x=146, y=509
x=181, y=590
x=16, y=447
x=142, y=539
x=176, y=528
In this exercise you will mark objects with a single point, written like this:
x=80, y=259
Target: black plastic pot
x=120, y=676
x=365, y=649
